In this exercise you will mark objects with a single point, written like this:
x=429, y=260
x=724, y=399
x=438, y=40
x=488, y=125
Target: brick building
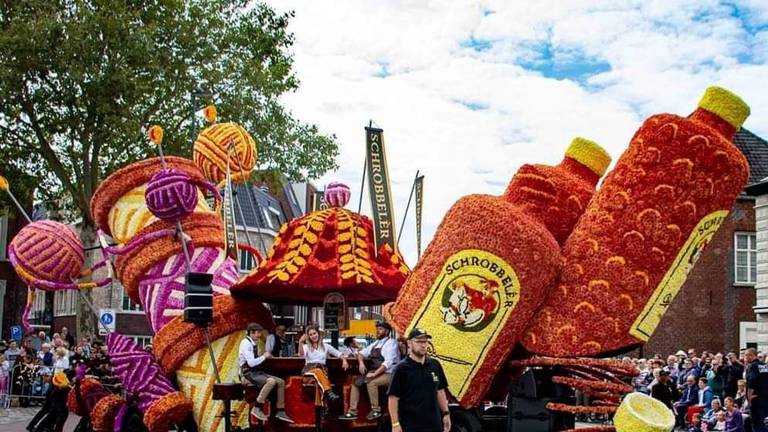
x=714, y=309
x=13, y=292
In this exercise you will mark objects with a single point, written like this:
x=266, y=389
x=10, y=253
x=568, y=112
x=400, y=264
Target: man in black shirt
x=663, y=391
x=417, y=399
x=757, y=390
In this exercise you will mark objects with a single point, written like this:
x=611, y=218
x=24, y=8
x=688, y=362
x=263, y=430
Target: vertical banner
x=228, y=214
x=318, y=201
x=379, y=189
x=419, y=204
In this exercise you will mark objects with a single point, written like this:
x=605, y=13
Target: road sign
x=108, y=319
x=16, y=333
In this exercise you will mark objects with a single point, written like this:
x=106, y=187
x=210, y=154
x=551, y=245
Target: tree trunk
x=86, y=320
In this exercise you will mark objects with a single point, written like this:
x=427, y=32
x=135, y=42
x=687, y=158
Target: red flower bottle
x=642, y=233
x=490, y=265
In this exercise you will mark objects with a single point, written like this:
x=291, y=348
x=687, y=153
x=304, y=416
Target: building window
x=247, y=261
x=128, y=304
x=745, y=258
x=3, y=235
x=64, y=303
x=141, y=341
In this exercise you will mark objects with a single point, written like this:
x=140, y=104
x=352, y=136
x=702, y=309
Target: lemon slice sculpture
x=642, y=413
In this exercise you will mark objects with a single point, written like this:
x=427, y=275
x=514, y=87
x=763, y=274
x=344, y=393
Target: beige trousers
x=373, y=392
x=271, y=383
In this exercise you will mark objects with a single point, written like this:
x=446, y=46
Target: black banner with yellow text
x=379, y=188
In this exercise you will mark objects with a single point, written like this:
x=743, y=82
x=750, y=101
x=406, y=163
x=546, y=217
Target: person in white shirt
x=384, y=355
x=250, y=368
x=315, y=353
x=60, y=360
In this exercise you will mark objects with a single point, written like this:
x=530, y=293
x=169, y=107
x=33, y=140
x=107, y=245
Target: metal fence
x=25, y=390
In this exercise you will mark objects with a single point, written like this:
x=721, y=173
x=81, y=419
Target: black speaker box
x=198, y=299
x=527, y=401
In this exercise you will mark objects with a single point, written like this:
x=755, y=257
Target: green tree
x=82, y=80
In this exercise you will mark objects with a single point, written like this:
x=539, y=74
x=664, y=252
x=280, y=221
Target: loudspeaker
x=527, y=401
x=198, y=298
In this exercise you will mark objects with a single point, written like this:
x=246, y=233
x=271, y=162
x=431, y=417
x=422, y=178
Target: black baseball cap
x=418, y=332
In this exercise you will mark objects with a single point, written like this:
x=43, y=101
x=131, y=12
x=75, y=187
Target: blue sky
x=467, y=91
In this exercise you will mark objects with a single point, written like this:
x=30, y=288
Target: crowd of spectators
x=707, y=391
x=26, y=370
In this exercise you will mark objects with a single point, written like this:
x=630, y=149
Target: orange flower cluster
x=171, y=409
x=327, y=250
x=104, y=413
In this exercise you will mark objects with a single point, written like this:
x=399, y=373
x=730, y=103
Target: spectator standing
x=417, y=393
x=60, y=360
x=68, y=337
x=672, y=368
x=735, y=373
x=757, y=390
x=5, y=377
x=23, y=377
x=12, y=352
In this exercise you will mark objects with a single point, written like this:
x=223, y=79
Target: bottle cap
x=589, y=154
x=725, y=105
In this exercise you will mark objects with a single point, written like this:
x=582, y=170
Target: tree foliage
x=82, y=80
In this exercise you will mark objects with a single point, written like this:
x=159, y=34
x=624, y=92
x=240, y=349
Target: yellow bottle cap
x=589, y=154
x=725, y=105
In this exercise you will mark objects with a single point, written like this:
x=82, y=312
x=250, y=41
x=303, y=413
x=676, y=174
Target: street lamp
x=194, y=96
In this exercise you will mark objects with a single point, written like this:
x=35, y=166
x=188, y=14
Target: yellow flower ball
x=155, y=134
x=210, y=113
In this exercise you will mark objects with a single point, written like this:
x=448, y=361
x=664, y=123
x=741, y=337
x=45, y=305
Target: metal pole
x=402, y=224
x=362, y=184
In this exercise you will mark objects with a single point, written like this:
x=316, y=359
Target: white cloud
x=469, y=115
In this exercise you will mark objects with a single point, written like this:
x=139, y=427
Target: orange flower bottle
x=642, y=233
x=490, y=265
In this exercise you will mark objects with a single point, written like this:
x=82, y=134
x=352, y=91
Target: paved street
x=16, y=419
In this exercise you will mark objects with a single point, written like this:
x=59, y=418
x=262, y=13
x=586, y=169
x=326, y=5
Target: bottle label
x=670, y=285
x=465, y=310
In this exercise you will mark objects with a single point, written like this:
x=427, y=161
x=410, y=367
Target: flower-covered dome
x=325, y=251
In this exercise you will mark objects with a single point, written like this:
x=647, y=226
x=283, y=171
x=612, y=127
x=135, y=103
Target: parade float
x=527, y=292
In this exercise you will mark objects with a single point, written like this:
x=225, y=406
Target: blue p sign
x=16, y=333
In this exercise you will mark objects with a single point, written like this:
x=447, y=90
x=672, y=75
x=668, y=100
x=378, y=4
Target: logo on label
x=468, y=305
x=470, y=302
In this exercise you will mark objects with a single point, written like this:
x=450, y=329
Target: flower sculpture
x=492, y=262
x=329, y=250
x=211, y=151
x=630, y=254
